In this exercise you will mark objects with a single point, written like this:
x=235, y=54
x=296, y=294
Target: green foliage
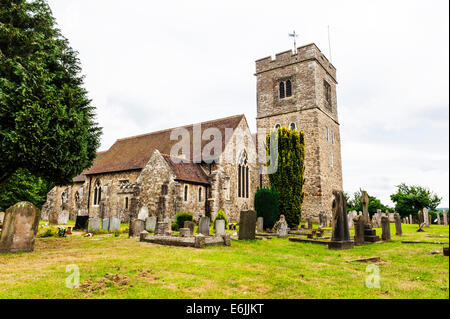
x=45, y=231
x=410, y=199
x=288, y=180
x=266, y=205
x=356, y=203
x=180, y=219
x=175, y=226
x=23, y=186
x=220, y=215
x=46, y=121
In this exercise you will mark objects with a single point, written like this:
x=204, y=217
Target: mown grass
x=275, y=268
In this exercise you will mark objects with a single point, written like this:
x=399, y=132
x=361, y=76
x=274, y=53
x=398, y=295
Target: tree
x=356, y=203
x=23, y=186
x=46, y=119
x=410, y=199
x=266, y=206
x=288, y=179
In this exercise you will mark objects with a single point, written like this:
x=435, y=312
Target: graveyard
x=122, y=267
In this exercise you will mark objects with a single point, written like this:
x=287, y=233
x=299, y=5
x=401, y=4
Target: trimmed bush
x=220, y=215
x=266, y=206
x=181, y=218
x=175, y=226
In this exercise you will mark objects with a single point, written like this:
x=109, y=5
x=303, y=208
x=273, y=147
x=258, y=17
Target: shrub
x=47, y=232
x=266, y=206
x=181, y=218
x=220, y=215
x=175, y=226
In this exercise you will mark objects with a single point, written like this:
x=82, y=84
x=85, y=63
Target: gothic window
x=282, y=93
x=126, y=202
x=186, y=193
x=332, y=137
x=200, y=194
x=243, y=179
x=288, y=88
x=327, y=93
x=327, y=134
x=77, y=197
x=97, y=192
x=293, y=126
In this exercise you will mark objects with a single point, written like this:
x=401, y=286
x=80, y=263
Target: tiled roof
x=133, y=153
x=187, y=172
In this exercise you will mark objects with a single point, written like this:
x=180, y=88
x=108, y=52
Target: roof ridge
x=173, y=128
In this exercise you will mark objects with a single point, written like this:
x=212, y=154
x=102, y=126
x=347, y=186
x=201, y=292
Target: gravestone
x=105, y=224
x=420, y=217
x=81, y=222
x=260, y=224
x=385, y=228
x=114, y=224
x=93, y=224
x=378, y=217
x=63, y=217
x=185, y=232
x=365, y=204
x=143, y=213
x=136, y=227
x=190, y=225
x=374, y=221
x=426, y=219
x=340, y=238
x=438, y=218
x=310, y=223
x=161, y=226
x=391, y=218
x=53, y=218
x=150, y=224
x=20, y=226
x=444, y=217
x=350, y=217
x=323, y=219
x=200, y=241
x=410, y=219
x=398, y=224
x=247, y=225
x=282, y=227
x=220, y=227
x=359, y=230
x=203, y=226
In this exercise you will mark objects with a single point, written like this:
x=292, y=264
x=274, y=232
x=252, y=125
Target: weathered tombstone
x=220, y=227
x=426, y=220
x=161, y=227
x=420, y=217
x=143, y=213
x=340, y=238
x=429, y=220
x=365, y=204
x=444, y=217
x=93, y=224
x=438, y=218
x=185, y=232
x=136, y=227
x=410, y=219
x=391, y=218
x=20, y=226
x=359, y=230
x=150, y=224
x=200, y=241
x=114, y=224
x=81, y=222
x=142, y=235
x=350, y=220
x=310, y=223
x=385, y=228
x=63, y=217
x=190, y=225
x=374, y=221
x=53, y=218
x=260, y=224
x=282, y=227
x=105, y=224
x=323, y=219
x=247, y=224
x=398, y=224
x=203, y=225
x=378, y=217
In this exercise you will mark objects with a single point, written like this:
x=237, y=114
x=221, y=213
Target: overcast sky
x=155, y=65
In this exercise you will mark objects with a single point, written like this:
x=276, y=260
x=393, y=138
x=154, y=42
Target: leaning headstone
x=114, y=225
x=185, y=232
x=93, y=224
x=340, y=238
x=444, y=217
x=426, y=220
x=137, y=226
x=385, y=228
x=105, y=224
x=398, y=224
x=203, y=226
x=247, y=225
x=150, y=224
x=359, y=230
x=220, y=227
x=190, y=225
x=260, y=224
x=20, y=226
x=282, y=227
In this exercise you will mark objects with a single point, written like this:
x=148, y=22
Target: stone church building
x=136, y=174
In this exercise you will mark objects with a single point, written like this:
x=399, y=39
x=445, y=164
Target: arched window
x=126, y=202
x=327, y=134
x=243, y=172
x=77, y=197
x=97, y=192
x=293, y=126
x=186, y=193
x=282, y=93
x=200, y=194
x=288, y=88
x=332, y=137
x=278, y=125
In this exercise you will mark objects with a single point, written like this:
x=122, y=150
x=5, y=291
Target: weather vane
x=294, y=35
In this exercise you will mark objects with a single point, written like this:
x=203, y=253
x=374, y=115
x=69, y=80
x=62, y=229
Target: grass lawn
x=118, y=267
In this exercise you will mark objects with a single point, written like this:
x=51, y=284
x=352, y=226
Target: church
x=204, y=167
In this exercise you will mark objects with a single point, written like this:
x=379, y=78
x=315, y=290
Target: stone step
x=372, y=239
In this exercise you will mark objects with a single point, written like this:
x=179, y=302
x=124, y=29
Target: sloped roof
x=80, y=178
x=187, y=172
x=133, y=153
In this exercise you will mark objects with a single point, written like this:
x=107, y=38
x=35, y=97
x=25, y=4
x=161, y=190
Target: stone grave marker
x=105, y=224
x=310, y=223
x=137, y=226
x=185, y=232
x=63, y=217
x=444, y=217
x=350, y=217
x=190, y=225
x=340, y=238
x=359, y=230
x=247, y=225
x=282, y=227
x=398, y=225
x=410, y=219
x=220, y=227
x=365, y=204
x=260, y=224
x=203, y=226
x=93, y=224
x=385, y=228
x=143, y=213
x=438, y=218
x=426, y=220
x=150, y=224
x=20, y=226
x=114, y=224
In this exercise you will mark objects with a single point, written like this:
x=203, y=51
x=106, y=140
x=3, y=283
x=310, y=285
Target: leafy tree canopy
x=355, y=203
x=46, y=120
x=410, y=199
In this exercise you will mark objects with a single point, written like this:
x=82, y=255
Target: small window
x=200, y=194
x=293, y=126
x=185, y=193
x=327, y=93
x=331, y=159
x=126, y=202
x=97, y=192
x=288, y=88
x=332, y=137
x=282, y=93
x=327, y=134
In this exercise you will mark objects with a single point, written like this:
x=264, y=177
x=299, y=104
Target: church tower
x=298, y=90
